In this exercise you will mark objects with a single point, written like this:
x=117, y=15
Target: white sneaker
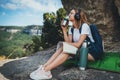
x=34, y=72
x=39, y=68
x=40, y=74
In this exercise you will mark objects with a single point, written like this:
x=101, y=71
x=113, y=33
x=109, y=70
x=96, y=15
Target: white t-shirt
x=85, y=30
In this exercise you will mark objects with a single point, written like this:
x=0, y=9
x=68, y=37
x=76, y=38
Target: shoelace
x=40, y=67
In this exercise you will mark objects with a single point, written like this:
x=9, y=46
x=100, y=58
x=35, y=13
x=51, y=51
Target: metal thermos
x=83, y=56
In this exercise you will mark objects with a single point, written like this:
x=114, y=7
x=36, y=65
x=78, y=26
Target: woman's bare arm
x=67, y=37
x=81, y=40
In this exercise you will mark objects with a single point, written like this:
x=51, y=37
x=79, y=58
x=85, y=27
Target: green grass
x=109, y=62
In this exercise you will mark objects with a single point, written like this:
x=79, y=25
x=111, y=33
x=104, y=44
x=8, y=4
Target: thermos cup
x=65, y=21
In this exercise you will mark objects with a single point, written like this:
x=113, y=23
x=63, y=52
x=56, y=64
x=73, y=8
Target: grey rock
x=19, y=69
x=117, y=3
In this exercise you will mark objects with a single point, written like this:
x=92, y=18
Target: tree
x=51, y=32
x=36, y=43
x=49, y=28
x=61, y=14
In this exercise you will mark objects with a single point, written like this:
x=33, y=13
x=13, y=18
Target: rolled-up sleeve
x=85, y=29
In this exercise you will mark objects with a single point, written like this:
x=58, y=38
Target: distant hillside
x=12, y=44
x=11, y=27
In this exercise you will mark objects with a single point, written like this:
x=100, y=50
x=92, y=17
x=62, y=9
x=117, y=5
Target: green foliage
x=51, y=32
x=36, y=43
x=15, y=47
x=20, y=44
x=61, y=13
x=5, y=36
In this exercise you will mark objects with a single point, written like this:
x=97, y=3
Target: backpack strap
x=72, y=30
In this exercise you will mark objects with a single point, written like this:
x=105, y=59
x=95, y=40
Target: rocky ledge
x=19, y=69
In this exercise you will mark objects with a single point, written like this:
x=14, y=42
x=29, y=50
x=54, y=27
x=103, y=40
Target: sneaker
x=34, y=72
x=41, y=74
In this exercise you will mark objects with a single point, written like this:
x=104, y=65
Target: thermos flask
x=83, y=56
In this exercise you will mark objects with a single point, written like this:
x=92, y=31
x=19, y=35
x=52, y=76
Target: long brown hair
x=83, y=18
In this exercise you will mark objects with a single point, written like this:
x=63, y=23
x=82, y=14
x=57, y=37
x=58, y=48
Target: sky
x=26, y=12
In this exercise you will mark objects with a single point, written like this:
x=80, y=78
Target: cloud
x=24, y=12
x=3, y=13
x=9, y=6
x=35, y=5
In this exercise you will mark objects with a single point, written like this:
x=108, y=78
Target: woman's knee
x=90, y=57
x=65, y=53
x=60, y=49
